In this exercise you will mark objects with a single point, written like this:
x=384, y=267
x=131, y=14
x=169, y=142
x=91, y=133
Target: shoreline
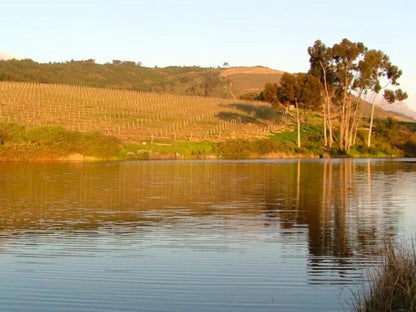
x=79, y=158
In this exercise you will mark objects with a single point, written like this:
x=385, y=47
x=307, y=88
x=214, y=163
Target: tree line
x=339, y=80
x=128, y=75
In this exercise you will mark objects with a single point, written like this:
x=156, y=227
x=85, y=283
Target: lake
x=272, y=235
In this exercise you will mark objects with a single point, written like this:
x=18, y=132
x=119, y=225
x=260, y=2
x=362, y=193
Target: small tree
x=269, y=93
x=287, y=94
x=210, y=80
x=309, y=91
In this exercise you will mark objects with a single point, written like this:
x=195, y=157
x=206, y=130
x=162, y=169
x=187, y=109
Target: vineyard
x=135, y=116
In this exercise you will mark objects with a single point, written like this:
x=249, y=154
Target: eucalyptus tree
x=347, y=72
x=377, y=73
x=346, y=56
x=321, y=67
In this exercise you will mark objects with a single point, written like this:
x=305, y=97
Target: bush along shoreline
x=392, y=285
x=47, y=143
x=55, y=143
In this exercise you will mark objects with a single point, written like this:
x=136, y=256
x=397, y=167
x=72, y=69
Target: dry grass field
x=135, y=116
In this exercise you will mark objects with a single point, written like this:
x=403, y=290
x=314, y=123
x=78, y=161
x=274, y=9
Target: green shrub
x=21, y=143
x=242, y=149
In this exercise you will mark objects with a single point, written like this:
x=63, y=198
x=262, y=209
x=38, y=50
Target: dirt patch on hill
x=257, y=70
x=243, y=80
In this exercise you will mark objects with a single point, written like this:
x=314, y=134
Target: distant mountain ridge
x=400, y=108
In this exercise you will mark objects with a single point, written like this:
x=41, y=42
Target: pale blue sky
x=207, y=33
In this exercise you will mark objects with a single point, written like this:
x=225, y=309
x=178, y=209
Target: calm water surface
x=197, y=236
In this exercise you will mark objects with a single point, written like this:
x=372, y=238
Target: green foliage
x=311, y=136
x=288, y=89
x=270, y=93
x=309, y=91
x=391, y=139
x=52, y=142
x=243, y=149
x=210, y=80
x=302, y=89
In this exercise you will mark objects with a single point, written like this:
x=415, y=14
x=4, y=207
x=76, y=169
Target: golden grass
x=258, y=70
x=392, y=286
x=134, y=116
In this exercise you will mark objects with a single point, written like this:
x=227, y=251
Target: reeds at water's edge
x=392, y=285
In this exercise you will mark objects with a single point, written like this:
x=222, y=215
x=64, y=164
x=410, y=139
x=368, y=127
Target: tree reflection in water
x=343, y=208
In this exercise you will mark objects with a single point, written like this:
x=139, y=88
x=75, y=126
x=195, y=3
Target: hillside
x=62, y=122
x=134, y=116
x=199, y=81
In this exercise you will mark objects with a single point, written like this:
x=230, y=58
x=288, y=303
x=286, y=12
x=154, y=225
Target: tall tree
x=347, y=71
x=376, y=69
x=321, y=67
x=346, y=56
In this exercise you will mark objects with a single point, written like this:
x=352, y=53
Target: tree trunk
x=371, y=120
x=349, y=124
x=343, y=132
x=328, y=108
x=356, y=117
x=298, y=120
x=325, y=134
